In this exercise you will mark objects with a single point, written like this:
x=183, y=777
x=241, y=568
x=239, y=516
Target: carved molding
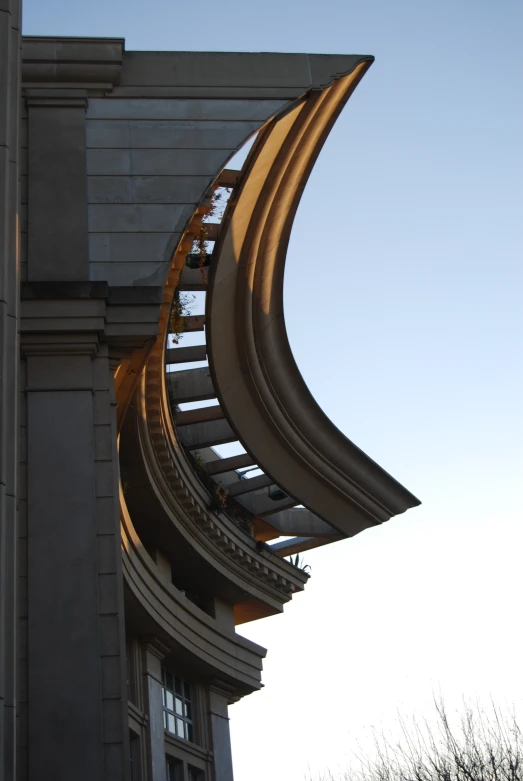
x=261, y=574
x=181, y=622
x=93, y=62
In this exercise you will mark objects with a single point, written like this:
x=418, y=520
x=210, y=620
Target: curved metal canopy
x=257, y=380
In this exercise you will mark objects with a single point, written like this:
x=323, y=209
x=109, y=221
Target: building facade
x=130, y=550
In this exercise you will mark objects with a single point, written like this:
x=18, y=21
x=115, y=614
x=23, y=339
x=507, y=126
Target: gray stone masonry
x=9, y=368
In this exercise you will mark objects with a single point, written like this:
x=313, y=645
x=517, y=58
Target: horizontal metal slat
x=190, y=385
x=186, y=354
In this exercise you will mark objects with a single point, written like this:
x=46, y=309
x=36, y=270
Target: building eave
x=256, y=378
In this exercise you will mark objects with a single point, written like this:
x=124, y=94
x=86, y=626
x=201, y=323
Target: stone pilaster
x=153, y=655
x=220, y=732
x=77, y=700
x=9, y=306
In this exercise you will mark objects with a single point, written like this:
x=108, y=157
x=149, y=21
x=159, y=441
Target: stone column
x=77, y=699
x=9, y=357
x=221, y=738
x=153, y=655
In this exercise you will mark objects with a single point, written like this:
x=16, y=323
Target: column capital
x=56, y=98
x=156, y=647
x=61, y=327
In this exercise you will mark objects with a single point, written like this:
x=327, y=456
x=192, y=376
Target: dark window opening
x=134, y=755
x=174, y=770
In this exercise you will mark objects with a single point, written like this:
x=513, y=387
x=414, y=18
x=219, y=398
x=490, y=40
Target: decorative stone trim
x=91, y=62
x=188, y=499
x=233, y=658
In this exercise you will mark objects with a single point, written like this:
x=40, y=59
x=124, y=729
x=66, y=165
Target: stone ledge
x=137, y=294
x=93, y=60
x=61, y=290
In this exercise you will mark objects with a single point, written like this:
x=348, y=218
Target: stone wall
x=10, y=23
x=149, y=163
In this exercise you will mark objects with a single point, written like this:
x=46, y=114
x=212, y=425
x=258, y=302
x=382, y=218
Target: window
x=131, y=671
x=177, y=707
x=174, y=770
x=134, y=756
x=195, y=774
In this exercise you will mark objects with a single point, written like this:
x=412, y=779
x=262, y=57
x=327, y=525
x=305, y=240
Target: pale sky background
x=403, y=302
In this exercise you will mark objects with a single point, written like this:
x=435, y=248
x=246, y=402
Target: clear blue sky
x=403, y=298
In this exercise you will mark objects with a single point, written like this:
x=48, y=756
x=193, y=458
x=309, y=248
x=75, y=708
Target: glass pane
x=134, y=754
x=164, y=720
x=169, y=681
x=169, y=701
x=170, y=723
x=179, y=728
x=178, y=686
x=187, y=691
x=190, y=733
x=174, y=771
x=178, y=706
x=188, y=710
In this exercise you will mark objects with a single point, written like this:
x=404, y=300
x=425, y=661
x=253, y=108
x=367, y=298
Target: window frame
x=135, y=755
x=178, y=764
x=187, y=760
x=184, y=693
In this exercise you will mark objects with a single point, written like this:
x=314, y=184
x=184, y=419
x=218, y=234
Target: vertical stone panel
x=22, y=736
x=57, y=192
x=64, y=671
x=9, y=355
x=76, y=646
x=221, y=739
x=152, y=662
x=110, y=578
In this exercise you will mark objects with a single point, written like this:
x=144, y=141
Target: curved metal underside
x=256, y=378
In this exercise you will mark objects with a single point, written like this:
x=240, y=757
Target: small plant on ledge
x=300, y=564
x=220, y=500
x=200, y=245
x=197, y=461
x=222, y=494
x=180, y=310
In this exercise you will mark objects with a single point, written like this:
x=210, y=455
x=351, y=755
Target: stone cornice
x=261, y=574
x=55, y=314
x=186, y=500
x=90, y=62
x=225, y=655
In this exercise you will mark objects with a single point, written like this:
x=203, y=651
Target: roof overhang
x=254, y=372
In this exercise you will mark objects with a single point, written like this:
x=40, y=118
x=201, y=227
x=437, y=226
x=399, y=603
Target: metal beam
x=258, y=503
x=193, y=323
x=228, y=178
x=213, y=230
x=299, y=544
x=190, y=385
x=220, y=465
x=247, y=485
x=216, y=432
x=199, y=415
x=186, y=354
x=192, y=279
x=301, y=522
